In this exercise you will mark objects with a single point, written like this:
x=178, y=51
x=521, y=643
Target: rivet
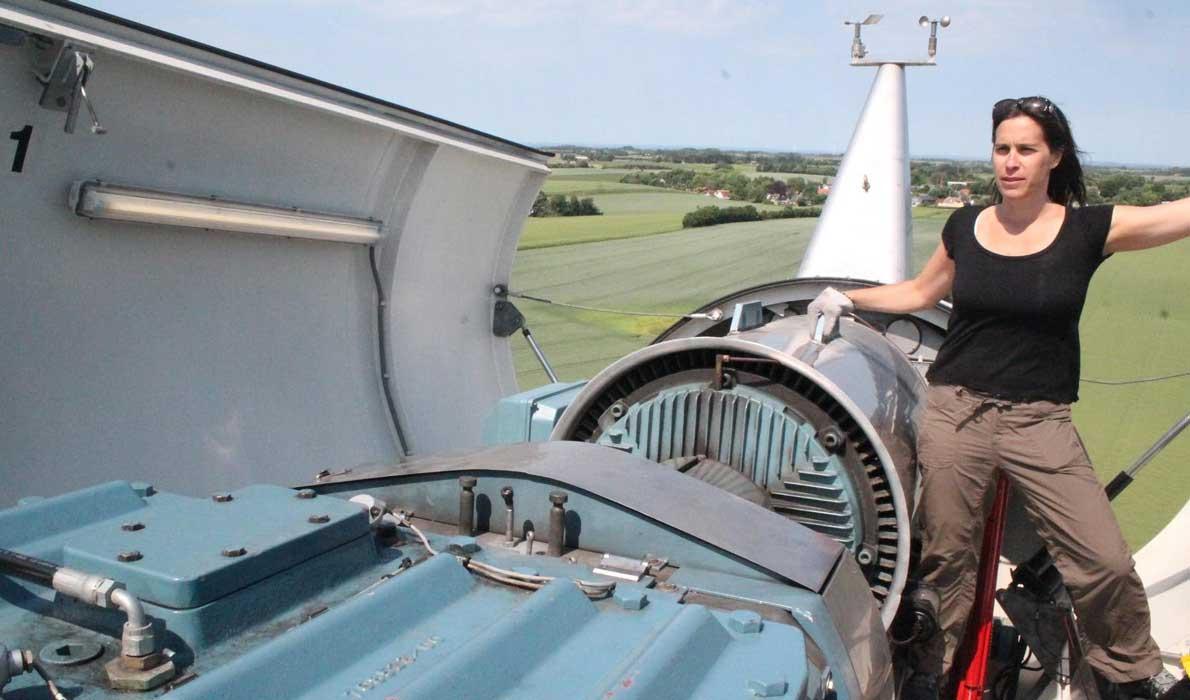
x=132, y=527
x=306, y=493
x=131, y=555
x=318, y=519
x=236, y=552
x=221, y=497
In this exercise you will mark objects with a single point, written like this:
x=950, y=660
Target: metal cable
x=1105, y=382
x=382, y=341
x=592, y=589
x=1142, y=380
x=713, y=316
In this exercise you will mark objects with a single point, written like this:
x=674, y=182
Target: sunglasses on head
x=1034, y=106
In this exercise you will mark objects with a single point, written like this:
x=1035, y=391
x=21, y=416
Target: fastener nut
x=630, y=598
x=132, y=527
x=558, y=497
x=306, y=493
x=468, y=482
x=123, y=678
x=131, y=555
x=139, y=642
x=235, y=552
x=744, y=621
x=767, y=688
x=318, y=519
x=221, y=497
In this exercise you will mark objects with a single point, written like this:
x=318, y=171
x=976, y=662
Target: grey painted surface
x=204, y=360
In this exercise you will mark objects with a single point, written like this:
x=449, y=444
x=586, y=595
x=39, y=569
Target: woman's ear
x=1055, y=159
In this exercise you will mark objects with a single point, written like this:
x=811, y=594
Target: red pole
x=972, y=656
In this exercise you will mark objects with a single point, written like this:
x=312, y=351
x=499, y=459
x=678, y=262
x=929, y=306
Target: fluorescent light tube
x=98, y=200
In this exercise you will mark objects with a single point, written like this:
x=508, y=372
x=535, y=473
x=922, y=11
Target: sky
x=762, y=74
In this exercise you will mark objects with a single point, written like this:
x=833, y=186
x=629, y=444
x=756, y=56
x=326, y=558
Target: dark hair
x=1066, y=184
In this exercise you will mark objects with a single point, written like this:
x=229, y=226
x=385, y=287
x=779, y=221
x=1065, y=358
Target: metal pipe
x=557, y=523
x=467, y=505
x=549, y=371
x=138, y=639
x=1124, y=478
x=131, y=605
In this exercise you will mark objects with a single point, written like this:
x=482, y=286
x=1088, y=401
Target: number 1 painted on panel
x=21, y=136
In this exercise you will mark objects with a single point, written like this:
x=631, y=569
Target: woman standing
x=1002, y=385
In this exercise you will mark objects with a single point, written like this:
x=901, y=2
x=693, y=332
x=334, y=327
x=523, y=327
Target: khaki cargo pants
x=963, y=438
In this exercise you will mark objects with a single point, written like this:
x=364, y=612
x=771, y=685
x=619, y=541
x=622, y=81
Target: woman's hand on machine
x=830, y=304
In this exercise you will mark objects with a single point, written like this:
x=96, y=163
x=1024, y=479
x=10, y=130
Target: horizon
x=673, y=72
x=835, y=154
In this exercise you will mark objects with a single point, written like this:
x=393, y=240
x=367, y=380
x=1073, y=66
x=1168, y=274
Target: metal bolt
x=306, y=493
x=467, y=505
x=557, y=523
x=529, y=535
x=132, y=527
x=832, y=440
x=234, y=552
x=509, y=516
x=221, y=497
x=130, y=555
x=318, y=519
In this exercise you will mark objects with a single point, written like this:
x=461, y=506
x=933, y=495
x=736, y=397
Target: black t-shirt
x=1014, y=328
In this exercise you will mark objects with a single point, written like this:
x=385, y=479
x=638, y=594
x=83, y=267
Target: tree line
x=561, y=205
x=749, y=189
x=712, y=215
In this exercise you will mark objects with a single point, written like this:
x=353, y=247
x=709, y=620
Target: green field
x=636, y=257
x=628, y=210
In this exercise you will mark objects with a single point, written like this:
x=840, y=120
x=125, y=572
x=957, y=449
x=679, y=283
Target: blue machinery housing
x=273, y=592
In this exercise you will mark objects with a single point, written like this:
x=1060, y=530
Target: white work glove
x=831, y=304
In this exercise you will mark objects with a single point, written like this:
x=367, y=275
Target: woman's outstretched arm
x=1138, y=228
x=928, y=288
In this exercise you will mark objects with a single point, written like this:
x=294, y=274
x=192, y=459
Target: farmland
x=637, y=257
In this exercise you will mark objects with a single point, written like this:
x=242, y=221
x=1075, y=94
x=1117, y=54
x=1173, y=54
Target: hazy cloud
x=688, y=17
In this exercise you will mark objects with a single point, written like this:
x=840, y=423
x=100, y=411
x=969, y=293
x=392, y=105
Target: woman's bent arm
x=1138, y=228
x=928, y=288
